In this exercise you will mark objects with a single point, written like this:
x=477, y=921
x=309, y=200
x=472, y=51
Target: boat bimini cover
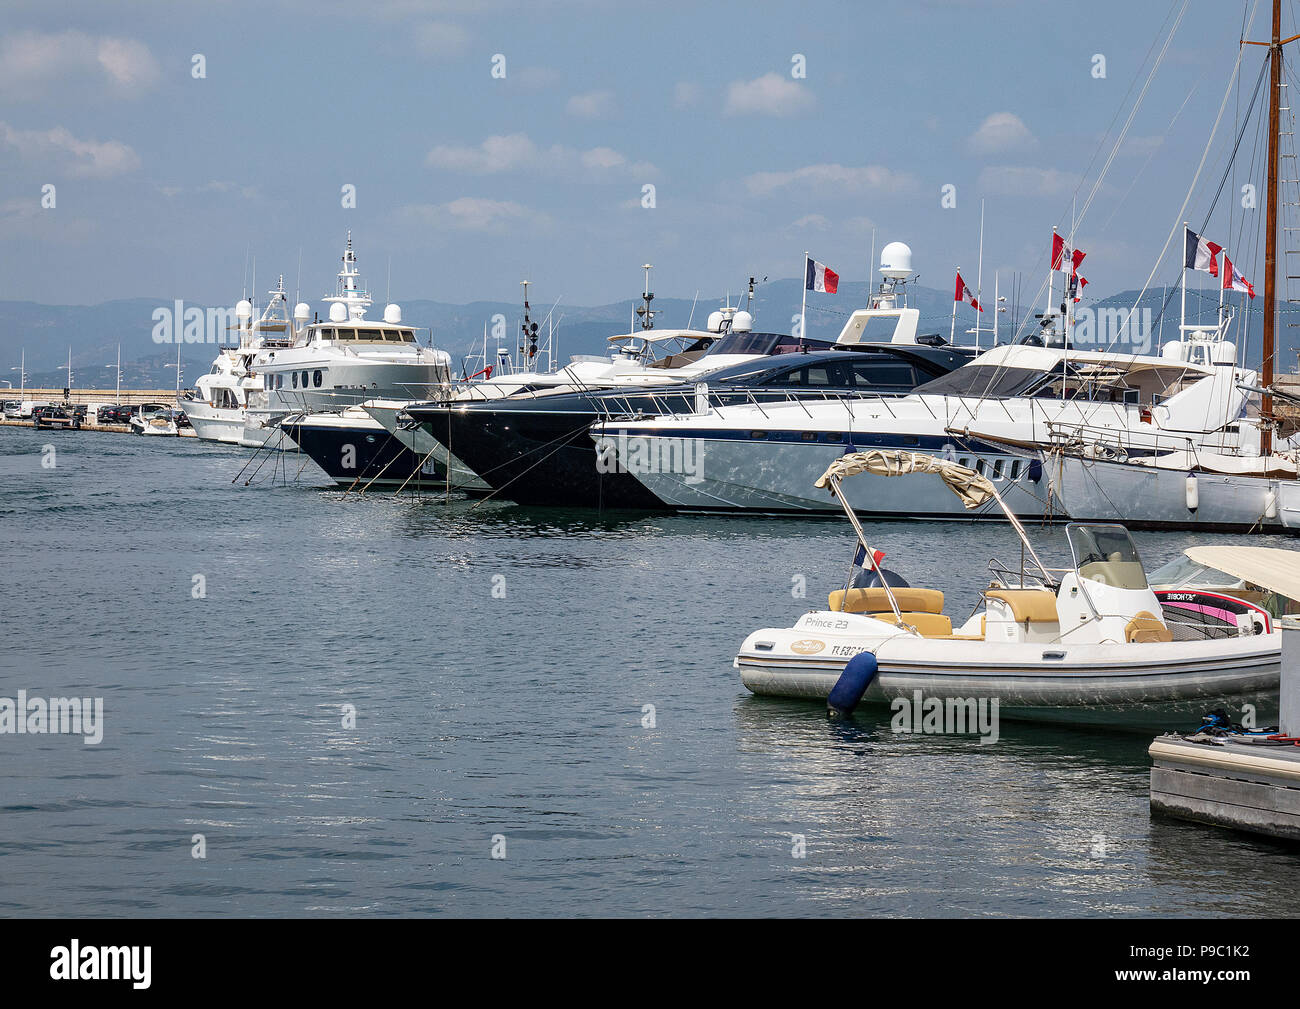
x=1268, y=567
x=971, y=487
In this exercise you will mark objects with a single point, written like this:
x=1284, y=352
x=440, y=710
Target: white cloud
x=23, y=217
x=439, y=38
x=1002, y=131
x=67, y=155
x=842, y=178
x=593, y=105
x=769, y=95
x=812, y=222
x=472, y=213
x=31, y=61
x=532, y=78
x=685, y=95
x=516, y=152
x=1021, y=180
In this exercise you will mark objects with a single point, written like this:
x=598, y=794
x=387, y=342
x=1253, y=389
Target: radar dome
x=715, y=322
x=338, y=313
x=743, y=322
x=302, y=311
x=244, y=310
x=896, y=261
x=393, y=314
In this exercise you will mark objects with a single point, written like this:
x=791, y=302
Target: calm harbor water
x=521, y=716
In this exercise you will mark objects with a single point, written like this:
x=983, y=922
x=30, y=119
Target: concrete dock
x=90, y=398
x=1249, y=783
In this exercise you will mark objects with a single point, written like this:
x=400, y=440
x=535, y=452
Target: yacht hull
x=425, y=446
x=1147, y=497
x=537, y=457
x=213, y=424
x=362, y=454
x=777, y=476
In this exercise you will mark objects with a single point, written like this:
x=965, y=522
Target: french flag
x=821, y=278
x=860, y=558
x=1200, y=253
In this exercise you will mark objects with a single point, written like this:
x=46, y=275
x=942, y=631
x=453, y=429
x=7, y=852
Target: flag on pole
x=1233, y=280
x=1201, y=254
x=963, y=293
x=821, y=278
x=860, y=558
x=1061, y=252
x=1078, y=289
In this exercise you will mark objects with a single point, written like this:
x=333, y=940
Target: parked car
x=61, y=417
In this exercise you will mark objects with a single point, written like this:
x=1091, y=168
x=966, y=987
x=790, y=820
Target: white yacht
x=984, y=415
x=217, y=404
x=345, y=360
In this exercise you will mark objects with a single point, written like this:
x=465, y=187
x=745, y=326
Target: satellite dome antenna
x=645, y=312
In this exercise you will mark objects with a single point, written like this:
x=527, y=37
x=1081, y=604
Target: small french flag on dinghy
x=860, y=558
x=821, y=278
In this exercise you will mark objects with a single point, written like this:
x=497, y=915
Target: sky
x=490, y=141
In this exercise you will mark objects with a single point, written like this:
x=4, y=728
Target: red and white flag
x=821, y=277
x=1061, y=253
x=963, y=293
x=1083, y=282
x=1201, y=254
x=1233, y=280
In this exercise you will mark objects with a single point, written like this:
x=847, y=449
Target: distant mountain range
x=93, y=332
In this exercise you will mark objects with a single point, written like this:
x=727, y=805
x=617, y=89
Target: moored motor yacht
x=346, y=359
x=217, y=404
x=537, y=449
x=1084, y=644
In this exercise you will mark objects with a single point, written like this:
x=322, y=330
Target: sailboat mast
x=1270, y=234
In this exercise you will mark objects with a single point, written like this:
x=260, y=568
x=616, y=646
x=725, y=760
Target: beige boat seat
x=1035, y=606
x=1145, y=628
x=876, y=600
x=930, y=625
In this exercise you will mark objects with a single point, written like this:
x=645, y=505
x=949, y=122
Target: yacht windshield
x=1106, y=554
x=983, y=380
x=1183, y=572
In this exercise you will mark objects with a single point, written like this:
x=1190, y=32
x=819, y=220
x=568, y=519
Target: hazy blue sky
x=469, y=183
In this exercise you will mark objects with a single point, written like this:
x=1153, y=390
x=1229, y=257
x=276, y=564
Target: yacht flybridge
x=217, y=404
x=1087, y=643
x=346, y=359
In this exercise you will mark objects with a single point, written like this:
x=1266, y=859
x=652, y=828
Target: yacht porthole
x=316, y=378
x=294, y=381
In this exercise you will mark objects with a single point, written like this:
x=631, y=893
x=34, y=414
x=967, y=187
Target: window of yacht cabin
x=279, y=381
x=294, y=379
x=316, y=378
x=370, y=335
x=883, y=375
x=1014, y=474
x=997, y=469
